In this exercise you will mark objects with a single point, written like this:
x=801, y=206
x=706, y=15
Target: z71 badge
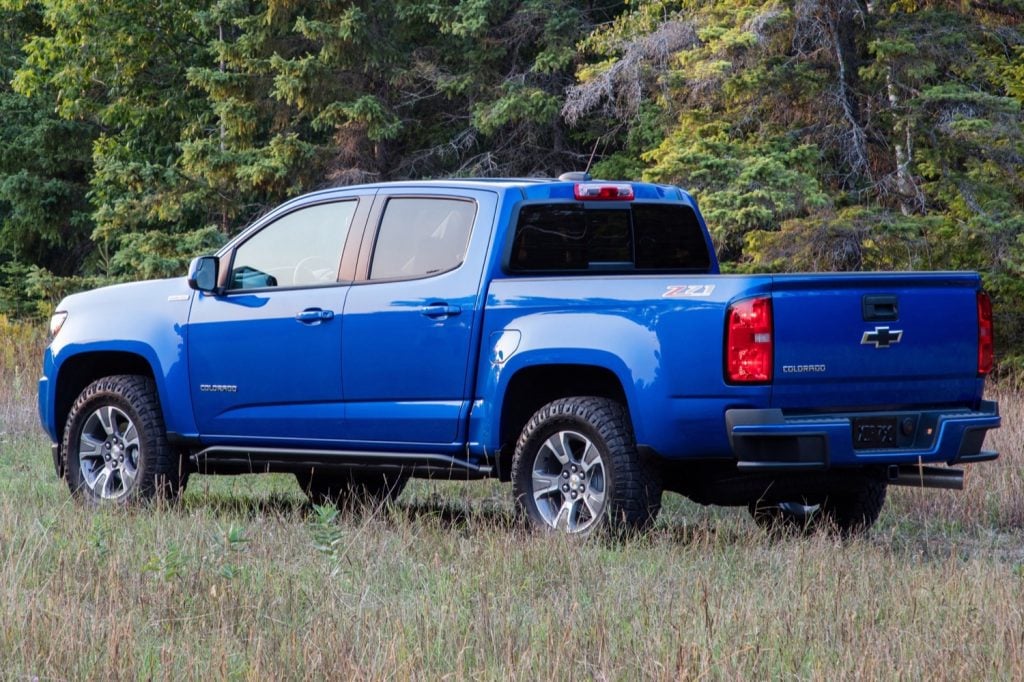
x=688, y=291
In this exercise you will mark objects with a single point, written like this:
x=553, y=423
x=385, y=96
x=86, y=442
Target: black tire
x=848, y=513
x=115, y=444
x=618, y=490
x=350, y=489
x=855, y=512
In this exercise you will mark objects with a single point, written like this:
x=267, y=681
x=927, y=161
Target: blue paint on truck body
x=425, y=364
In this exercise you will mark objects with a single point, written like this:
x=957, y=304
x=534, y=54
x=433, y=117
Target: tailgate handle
x=880, y=308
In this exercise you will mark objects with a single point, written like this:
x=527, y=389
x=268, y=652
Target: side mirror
x=202, y=274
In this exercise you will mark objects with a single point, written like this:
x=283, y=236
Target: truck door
x=265, y=356
x=410, y=315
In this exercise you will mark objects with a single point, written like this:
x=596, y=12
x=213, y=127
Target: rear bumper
x=770, y=439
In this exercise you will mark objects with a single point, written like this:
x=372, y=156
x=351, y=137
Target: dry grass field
x=243, y=580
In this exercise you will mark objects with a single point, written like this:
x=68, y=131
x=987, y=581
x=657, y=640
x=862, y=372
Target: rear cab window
x=640, y=237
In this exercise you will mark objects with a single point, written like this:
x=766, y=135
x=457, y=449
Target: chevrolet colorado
x=573, y=337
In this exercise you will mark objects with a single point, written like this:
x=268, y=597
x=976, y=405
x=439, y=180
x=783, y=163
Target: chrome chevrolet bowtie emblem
x=882, y=337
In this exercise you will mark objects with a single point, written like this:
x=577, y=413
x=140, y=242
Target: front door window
x=300, y=249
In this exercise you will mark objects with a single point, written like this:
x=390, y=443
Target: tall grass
x=993, y=495
x=21, y=354
x=242, y=580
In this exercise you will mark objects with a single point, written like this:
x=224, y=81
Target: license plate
x=874, y=433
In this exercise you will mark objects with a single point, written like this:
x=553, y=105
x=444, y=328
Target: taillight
x=748, y=341
x=986, y=352
x=601, y=191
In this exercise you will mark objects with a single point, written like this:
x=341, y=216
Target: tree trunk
x=910, y=196
x=842, y=35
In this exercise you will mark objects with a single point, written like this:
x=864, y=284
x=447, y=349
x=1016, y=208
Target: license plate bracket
x=874, y=433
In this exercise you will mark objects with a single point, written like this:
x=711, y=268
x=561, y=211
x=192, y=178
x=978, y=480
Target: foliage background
x=816, y=134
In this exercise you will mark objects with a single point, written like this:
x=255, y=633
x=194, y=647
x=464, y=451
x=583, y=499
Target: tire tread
x=636, y=485
x=162, y=472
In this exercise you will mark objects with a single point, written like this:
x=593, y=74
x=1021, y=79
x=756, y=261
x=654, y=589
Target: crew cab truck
x=574, y=337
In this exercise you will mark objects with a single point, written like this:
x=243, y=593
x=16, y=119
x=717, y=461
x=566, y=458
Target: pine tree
x=45, y=163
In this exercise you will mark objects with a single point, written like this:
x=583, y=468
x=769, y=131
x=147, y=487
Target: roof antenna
x=584, y=176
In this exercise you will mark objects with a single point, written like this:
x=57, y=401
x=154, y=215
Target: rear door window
x=645, y=237
x=421, y=237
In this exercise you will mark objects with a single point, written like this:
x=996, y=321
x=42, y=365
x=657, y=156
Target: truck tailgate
x=875, y=339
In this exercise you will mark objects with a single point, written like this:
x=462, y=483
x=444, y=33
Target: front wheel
x=576, y=469
x=116, y=445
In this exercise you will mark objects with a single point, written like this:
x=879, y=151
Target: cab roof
x=530, y=188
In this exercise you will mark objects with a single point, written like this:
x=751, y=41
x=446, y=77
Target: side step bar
x=225, y=459
x=926, y=476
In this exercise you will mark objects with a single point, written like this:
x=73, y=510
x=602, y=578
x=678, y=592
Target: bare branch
x=619, y=90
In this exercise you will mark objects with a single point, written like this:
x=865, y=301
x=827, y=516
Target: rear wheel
x=850, y=512
x=116, y=446
x=576, y=469
x=350, y=488
x=856, y=511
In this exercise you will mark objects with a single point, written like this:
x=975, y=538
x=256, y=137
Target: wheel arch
x=531, y=387
x=81, y=369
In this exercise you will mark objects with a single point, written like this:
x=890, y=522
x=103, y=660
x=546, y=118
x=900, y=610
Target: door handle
x=314, y=316
x=440, y=310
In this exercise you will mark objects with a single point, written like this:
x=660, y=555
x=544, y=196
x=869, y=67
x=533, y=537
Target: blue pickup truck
x=573, y=337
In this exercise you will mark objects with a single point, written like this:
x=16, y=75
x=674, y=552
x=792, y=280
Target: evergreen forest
x=816, y=134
